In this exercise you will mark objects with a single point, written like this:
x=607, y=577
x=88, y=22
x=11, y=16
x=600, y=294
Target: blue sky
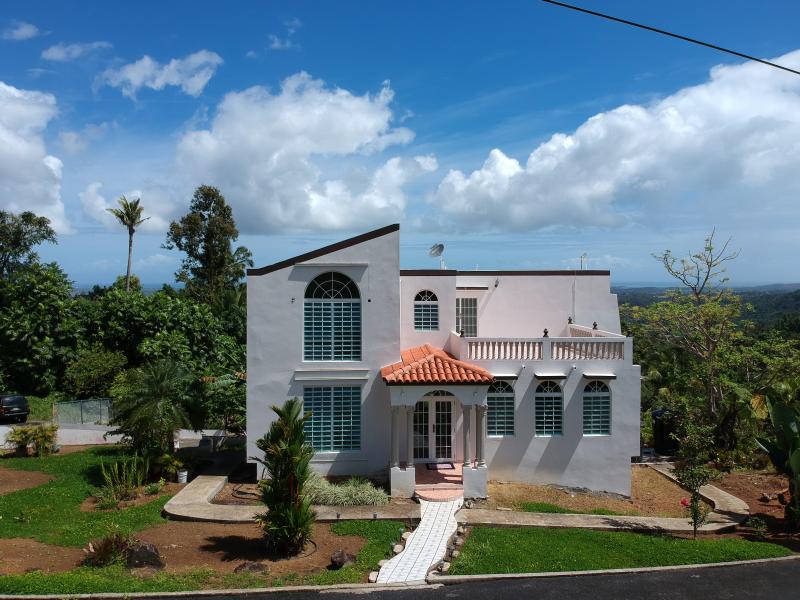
x=519, y=134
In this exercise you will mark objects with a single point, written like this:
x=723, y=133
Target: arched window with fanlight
x=596, y=409
x=549, y=409
x=426, y=311
x=332, y=319
x=500, y=409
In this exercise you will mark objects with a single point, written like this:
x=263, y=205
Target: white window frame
x=461, y=317
x=502, y=392
x=593, y=395
x=426, y=311
x=330, y=425
x=545, y=396
x=333, y=312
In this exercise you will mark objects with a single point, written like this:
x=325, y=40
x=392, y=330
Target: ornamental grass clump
x=355, y=491
x=289, y=519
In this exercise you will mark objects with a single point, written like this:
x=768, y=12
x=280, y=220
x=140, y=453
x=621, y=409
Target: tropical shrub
x=151, y=489
x=41, y=437
x=355, y=491
x=152, y=403
x=123, y=478
x=783, y=447
x=92, y=371
x=108, y=550
x=692, y=471
x=289, y=519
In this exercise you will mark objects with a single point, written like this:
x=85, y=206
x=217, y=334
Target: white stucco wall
x=276, y=370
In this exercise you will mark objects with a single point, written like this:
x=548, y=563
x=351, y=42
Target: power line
x=670, y=34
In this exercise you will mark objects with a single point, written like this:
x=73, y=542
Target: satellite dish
x=436, y=250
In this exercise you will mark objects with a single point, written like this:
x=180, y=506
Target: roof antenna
x=438, y=250
x=584, y=257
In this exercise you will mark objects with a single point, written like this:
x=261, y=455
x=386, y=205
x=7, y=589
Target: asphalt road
x=770, y=581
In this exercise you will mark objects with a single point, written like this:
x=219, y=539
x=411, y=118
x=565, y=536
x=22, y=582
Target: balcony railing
x=543, y=349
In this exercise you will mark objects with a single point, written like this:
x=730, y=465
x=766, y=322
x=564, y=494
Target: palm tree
x=129, y=214
x=154, y=404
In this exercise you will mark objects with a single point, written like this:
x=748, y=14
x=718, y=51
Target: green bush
x=91, y=373
x=122, y=479
x=41, y=437
x=151, y=489
x=356, y=491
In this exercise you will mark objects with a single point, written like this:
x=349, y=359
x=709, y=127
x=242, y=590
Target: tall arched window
x=332, y=319
x=596, y=409
x=426, y=311
x=500, y=409
x=549, y=407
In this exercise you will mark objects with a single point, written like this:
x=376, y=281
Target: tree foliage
x=19, y=235
x=92, y=371
x=129, y=215
x=782, y=443
x=206, y=235
x=288, y=521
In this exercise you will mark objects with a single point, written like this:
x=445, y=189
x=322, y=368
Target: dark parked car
x=13, y=408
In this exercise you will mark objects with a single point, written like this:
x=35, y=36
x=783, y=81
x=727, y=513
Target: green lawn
x=50, y=513
x=533, y=550
x=116, y=578
x=546, y=507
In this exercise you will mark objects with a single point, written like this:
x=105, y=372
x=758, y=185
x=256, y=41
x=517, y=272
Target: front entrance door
x=433, y=430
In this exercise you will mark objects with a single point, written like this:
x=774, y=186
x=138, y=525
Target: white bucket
x=183, y=475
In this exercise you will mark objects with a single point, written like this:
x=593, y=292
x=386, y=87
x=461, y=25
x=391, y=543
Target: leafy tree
x=289, y=519
x=206, y=235
x=19, y=235
x=152, y=403
x=783, y=446
x=39, y=328
x=129, y=215
x=92, y=371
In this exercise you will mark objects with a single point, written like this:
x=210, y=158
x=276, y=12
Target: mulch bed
x=90, y=504
x=222, y=547
x=12, y=480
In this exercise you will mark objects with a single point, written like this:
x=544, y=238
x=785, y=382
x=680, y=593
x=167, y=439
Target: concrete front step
x=439, y=494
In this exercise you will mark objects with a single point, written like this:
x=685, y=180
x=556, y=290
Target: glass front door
x=433, y=430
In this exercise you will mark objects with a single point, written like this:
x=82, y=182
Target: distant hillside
x=771, y=303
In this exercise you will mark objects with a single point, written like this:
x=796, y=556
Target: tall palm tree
x=129, y=214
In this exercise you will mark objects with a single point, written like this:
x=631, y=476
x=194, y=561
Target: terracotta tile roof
x=426, y=364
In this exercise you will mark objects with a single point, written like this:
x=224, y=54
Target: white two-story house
x=508, y=375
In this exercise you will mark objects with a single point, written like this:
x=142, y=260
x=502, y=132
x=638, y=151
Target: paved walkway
x=729, y=511
x=193, y=503
x=426, y=546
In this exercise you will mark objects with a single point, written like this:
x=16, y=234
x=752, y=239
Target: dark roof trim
x=353, y=241
x=472, y=288
x=431, y=272
x=428, y=272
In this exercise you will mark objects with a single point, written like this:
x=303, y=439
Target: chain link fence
x=92, y=411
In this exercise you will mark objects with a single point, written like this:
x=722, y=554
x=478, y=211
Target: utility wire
x=675, y=35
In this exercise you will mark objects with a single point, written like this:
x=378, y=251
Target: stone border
x=356, y=588
x=457, y=579
x=193, y=503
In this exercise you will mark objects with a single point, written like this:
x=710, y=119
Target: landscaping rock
x=144, y=555
x=445, y=567
x=250, y=566
x=461, y=529
x=340, y=558
x=383, y=562
x=373, y=577
x=406, y=535
x=459, y=542
x=455, y=553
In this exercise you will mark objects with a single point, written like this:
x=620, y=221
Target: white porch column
x=480, y=435
x=410, y=440
x=467, y=411
x=395, y=437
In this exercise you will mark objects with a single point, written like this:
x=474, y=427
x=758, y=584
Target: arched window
x=426, y=311
x=549, y=407
x=500, y=413
x=596, y=409
x=332, y=319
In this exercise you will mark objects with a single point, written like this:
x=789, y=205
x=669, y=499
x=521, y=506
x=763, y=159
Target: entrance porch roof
x=427, y=364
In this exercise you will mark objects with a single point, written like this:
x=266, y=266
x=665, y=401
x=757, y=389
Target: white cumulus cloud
x=30, y=178
x=264, y=150
x=66, y=52
x=191, y=74
x=20, y=31
x=159, y=207
x=732, y=137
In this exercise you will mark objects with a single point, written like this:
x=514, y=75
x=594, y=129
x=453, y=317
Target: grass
x=534, y=550
x=116, y=578
x=51, y=512
x=546, y=507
